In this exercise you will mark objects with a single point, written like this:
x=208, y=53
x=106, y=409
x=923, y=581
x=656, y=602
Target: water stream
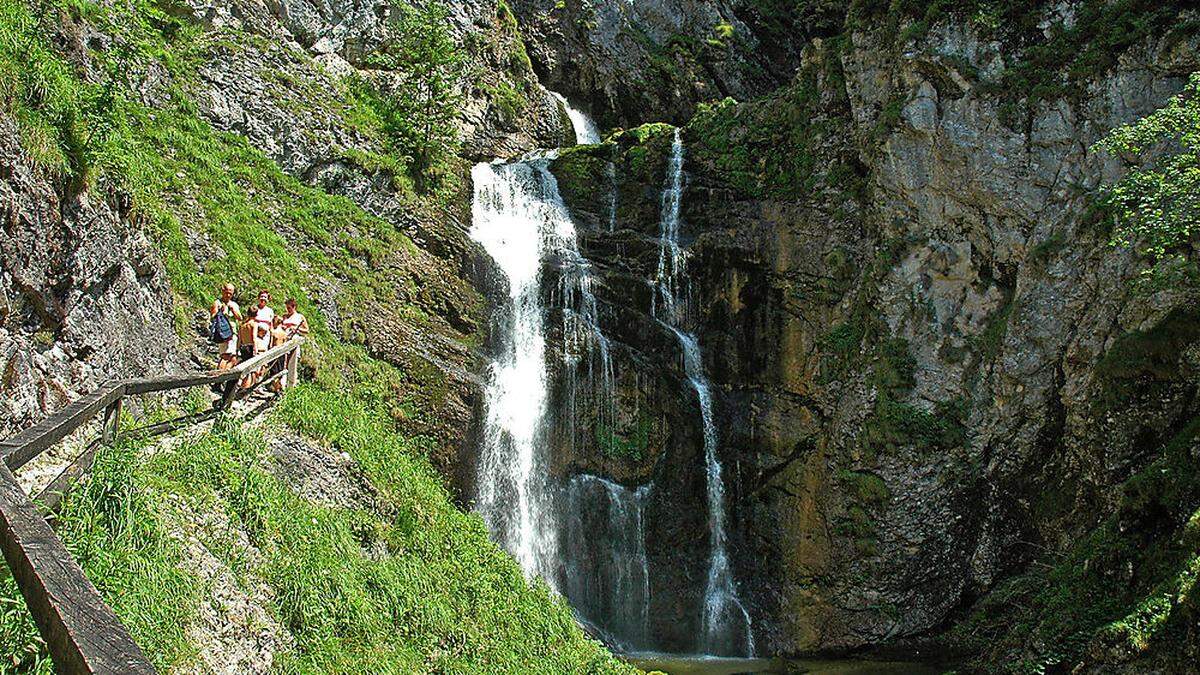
x=599, y=563
x=725, y=623
x=586, y=132
x=585, y=535
x=516, y=217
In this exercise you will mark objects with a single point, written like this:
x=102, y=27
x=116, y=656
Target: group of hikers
x=241, y=335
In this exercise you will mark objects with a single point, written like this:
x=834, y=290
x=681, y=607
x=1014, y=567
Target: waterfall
x=519, y=218
x=609, y=583
x=586, y=132
x=670, y=255
x=586, y=538
x=516, y=215
x=724, y=619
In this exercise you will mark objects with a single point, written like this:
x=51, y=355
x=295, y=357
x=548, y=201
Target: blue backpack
x=220, y=329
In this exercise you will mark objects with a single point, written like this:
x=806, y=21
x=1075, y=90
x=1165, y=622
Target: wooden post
x=230, y=394
x=293, y=366
x=112, y=422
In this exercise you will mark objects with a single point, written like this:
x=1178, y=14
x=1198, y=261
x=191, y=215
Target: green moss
x=785, y=146
x=865, y=488
x=1126, y=586
x=894, y=424
x=508, y=99
x=989, y=343
x=1151, y=355
x=633, y=447
x=890, y=115
x=839, y=271
x=1044, y=251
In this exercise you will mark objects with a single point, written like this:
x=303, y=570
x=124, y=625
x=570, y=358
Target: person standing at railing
x=296, y=325
x=294, y=322
x=264, y=318
x=279, y=336
x=228, y=308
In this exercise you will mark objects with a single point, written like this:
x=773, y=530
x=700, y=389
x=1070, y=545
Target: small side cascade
x=725, y=623
x=608, y=582
x=586, y=132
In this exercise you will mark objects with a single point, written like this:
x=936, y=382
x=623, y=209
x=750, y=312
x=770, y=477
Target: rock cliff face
x=83, y=294
x=923, y=342
x=631, y=62
x=931, y=372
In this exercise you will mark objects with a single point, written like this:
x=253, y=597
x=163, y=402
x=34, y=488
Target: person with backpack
x=224, y=315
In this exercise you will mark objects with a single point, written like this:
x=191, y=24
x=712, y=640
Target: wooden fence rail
x=81, y=632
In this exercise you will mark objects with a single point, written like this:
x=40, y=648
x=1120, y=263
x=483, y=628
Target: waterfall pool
x=682, y=664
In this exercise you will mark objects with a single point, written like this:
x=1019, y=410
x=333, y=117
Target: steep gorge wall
x=933, y=369
x=83, y=295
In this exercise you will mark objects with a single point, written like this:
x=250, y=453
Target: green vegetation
x=776, y=147
x=1139, y=360
x=1049, y=61
x=632, y=447
x=1154, y=205
x=509, y=100
x=117, y=533
x=420, y=590
x=187, y=180
x=409, y=584
x=865, y=494
x=1048, y=56
x=1126, y=587
x=422, y=108
x=988, y=343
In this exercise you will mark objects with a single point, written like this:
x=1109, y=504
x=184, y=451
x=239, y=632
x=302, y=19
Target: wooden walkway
x=81, y=632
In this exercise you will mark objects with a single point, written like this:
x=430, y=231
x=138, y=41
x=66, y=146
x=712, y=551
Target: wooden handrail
x=81, y=632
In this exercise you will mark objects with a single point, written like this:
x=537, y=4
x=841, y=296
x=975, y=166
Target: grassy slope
x=445, y=599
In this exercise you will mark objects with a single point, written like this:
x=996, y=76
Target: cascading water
x=586, y=132
x=514, y=217
x=725, y=622
x=599, y=564
x=587, y=538
x=610, y=583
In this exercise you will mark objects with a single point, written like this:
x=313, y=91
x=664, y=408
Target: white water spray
x=515, y=215
x=610, y=582
x=586, y=132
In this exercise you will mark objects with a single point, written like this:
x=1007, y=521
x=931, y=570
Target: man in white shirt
x=264, y=319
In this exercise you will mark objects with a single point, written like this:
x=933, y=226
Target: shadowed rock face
x=915, y=340
x=633, y=62
x=83, y=294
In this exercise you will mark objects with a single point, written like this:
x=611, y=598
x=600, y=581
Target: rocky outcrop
x=651, y=60
x=276, y=94
x=83, y=294
x=915, y=321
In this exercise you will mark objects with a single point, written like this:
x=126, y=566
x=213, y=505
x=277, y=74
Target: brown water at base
x=675, y=664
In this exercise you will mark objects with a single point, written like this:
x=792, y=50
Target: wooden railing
x=81, y=632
